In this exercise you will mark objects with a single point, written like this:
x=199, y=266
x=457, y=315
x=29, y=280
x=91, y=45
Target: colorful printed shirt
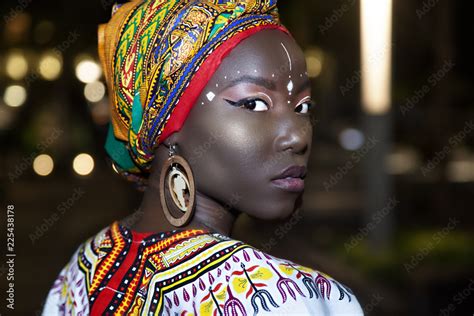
x=189, y=272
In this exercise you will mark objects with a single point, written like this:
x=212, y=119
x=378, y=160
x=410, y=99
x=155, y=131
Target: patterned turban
x=158, y=56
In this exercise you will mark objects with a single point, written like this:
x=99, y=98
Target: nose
x=293, y=134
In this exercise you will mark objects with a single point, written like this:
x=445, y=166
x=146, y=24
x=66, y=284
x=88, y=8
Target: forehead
x=271, y=53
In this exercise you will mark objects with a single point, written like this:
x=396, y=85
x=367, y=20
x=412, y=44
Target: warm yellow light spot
x=88, y=71
x=16, y=65
x=402, y=161
x=460, y=170
x=94, y=91
x=50, y=66
x=14, y=96
x=43, y=165
x=83, y=164
x=314, y=62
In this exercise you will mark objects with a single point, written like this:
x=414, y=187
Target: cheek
x=239, y=165
x=239, y=152
x=228, y=160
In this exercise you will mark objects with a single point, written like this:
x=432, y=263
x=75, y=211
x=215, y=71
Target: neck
x=208, y=215
x=212, y=215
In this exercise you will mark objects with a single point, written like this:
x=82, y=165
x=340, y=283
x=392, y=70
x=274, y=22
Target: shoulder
x=295, y=287
x=245, y=280
x=68, y=294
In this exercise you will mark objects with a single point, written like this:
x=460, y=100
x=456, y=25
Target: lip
x=291, y=179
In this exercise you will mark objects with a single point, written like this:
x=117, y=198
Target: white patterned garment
x=189, y=272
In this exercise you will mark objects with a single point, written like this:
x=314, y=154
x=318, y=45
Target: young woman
x=210, y=108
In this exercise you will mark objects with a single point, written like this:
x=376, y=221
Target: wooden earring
x=177, y=189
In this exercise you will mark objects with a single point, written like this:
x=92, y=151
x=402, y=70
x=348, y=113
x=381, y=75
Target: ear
x=174, y=138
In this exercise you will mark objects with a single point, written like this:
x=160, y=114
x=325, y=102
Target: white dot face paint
x=290, y=86
x=210, y=96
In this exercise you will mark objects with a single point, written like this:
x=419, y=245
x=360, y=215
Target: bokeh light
x=44, y=31
x=314, y=62
x=94, y=91
x=88, y=70
x=14, y=96
x=43, y=165
x=403, y=160
x=50, y=65
x=83, y=164
x=16, y=65
x=351, y=139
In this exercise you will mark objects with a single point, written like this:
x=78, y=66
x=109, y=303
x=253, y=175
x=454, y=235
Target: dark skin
x=251, y=122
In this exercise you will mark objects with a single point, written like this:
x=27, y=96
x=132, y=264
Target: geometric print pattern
x=189, y=272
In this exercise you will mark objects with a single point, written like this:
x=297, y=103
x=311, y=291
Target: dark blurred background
x=388, y=205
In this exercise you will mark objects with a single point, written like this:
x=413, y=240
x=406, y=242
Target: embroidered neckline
x=153, y=237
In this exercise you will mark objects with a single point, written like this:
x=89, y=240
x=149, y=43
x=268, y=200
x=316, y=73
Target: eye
x=305, y=107
x=257, y=105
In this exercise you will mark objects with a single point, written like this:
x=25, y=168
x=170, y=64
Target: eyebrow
x=266, y=83
x=306, y=85
x=260, y=81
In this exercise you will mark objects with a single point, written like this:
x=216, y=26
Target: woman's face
x=250, y=124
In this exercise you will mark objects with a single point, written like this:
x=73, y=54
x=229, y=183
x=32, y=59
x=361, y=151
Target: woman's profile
x=210, y=117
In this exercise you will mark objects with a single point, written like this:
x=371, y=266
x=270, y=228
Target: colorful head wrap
x=158, y=56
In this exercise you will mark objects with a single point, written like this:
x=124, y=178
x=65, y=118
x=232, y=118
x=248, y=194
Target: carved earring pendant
x=177, y=189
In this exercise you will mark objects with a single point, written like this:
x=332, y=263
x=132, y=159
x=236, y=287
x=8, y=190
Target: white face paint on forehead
x=290, y=84
x=288, y=55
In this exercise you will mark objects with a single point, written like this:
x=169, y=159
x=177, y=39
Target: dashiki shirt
x=189, y=272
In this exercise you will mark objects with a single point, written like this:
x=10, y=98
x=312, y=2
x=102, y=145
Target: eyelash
x=309, y=103
x=242, y=103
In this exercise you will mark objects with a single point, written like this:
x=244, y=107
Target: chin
x=277, y=209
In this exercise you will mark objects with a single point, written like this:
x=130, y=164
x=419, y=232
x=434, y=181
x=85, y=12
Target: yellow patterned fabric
x=157, y=57
x=190, y=272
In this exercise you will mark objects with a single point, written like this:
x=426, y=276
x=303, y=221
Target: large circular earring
x=177, y=189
